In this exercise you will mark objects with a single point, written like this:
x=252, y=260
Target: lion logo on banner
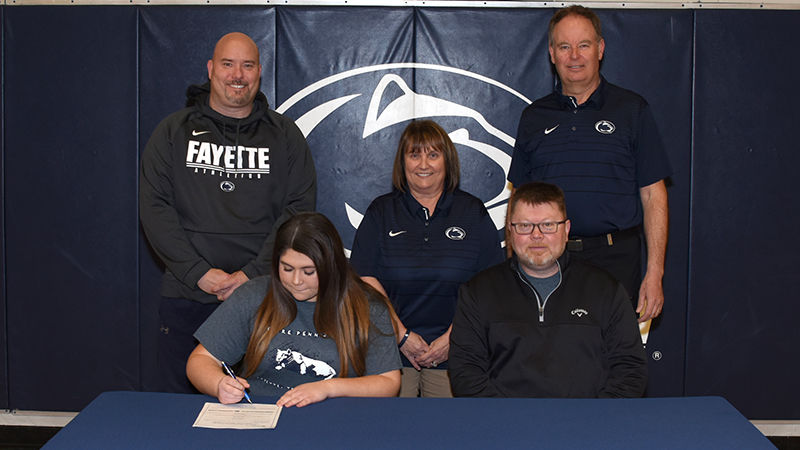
x=353, y=121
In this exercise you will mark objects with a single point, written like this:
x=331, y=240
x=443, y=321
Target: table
x=159, y=420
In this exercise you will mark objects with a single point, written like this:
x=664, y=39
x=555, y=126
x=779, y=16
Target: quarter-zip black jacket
x=213, y=190
x=584, y=343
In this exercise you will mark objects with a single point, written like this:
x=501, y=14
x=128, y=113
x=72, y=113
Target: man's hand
x=651, y=298
x=226, y=287
x=208, y=283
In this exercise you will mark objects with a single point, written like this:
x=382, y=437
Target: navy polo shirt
x=421, y=258
x=600, y=153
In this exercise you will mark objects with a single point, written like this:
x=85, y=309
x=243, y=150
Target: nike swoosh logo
x=396, y=233
x=198, y=133
x=550, y=130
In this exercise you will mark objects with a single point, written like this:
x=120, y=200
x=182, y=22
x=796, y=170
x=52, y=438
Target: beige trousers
x=425, y=383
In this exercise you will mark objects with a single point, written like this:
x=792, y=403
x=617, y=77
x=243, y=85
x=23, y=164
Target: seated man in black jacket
x=540, y=325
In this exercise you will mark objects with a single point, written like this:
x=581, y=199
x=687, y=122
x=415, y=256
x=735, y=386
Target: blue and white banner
x=364, y=79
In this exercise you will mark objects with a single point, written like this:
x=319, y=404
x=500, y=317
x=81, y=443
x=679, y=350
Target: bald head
x=236, y=38
x=234, y=73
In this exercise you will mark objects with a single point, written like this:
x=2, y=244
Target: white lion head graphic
x=353, y=121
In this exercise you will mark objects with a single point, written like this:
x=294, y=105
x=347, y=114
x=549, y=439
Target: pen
x=230, y=372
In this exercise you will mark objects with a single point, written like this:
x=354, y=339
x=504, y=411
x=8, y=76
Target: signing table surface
x=158, y=420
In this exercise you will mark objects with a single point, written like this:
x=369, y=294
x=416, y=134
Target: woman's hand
x=305, y=394
x=413, y=348
x=385, y=384
x=437, y=352
x=230, y=390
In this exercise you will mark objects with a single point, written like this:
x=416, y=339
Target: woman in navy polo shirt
x=417, y=244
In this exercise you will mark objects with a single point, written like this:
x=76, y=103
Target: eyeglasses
x=544, y=227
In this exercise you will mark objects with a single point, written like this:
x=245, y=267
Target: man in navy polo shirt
x=600, y=144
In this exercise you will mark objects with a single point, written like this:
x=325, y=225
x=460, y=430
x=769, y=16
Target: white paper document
x=241, y=416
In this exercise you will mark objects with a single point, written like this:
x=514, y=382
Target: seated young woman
x=316, y=333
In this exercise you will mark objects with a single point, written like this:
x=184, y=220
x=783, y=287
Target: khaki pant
x=425, y=383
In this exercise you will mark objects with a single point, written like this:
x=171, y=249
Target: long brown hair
x=342, y=309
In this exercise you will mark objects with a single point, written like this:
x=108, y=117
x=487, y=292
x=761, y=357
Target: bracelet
x=405, y=338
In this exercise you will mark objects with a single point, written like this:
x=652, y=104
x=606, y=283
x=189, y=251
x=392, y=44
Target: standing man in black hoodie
x=217, y=179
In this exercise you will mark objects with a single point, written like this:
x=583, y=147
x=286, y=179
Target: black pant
x=623, y=260
x=178, y=319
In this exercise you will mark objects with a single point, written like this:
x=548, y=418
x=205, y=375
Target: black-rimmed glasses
x=544, y=227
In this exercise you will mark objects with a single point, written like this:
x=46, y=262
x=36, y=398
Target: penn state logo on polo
x=353, y=121
x=227, y=186
x=605, y=126
x=455, y=233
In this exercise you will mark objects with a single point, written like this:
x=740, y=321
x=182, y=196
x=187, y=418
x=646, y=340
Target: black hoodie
x=213, y=189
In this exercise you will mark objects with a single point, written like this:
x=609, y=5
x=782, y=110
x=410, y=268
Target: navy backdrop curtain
x=69, y=188
x=743, y=333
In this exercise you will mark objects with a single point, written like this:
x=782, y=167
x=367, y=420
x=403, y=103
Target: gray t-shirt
x=544, y=286
x=296, y=355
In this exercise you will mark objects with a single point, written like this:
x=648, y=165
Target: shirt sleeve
x=366, y=246
x=652, y=164
x=226, y=333
x=469, y=350
x=491, y=251
x=520, y=171
x=382, y=354
x=159, y=217
x=625, y=357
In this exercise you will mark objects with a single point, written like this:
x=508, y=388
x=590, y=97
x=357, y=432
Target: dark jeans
x=179, y=318
x=623, y=261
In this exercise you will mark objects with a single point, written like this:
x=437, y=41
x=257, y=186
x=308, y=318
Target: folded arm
x=415, y=345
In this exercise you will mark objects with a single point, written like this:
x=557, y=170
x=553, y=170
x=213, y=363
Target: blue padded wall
x=70, y=203
x=743, y=333
x=3, y=327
